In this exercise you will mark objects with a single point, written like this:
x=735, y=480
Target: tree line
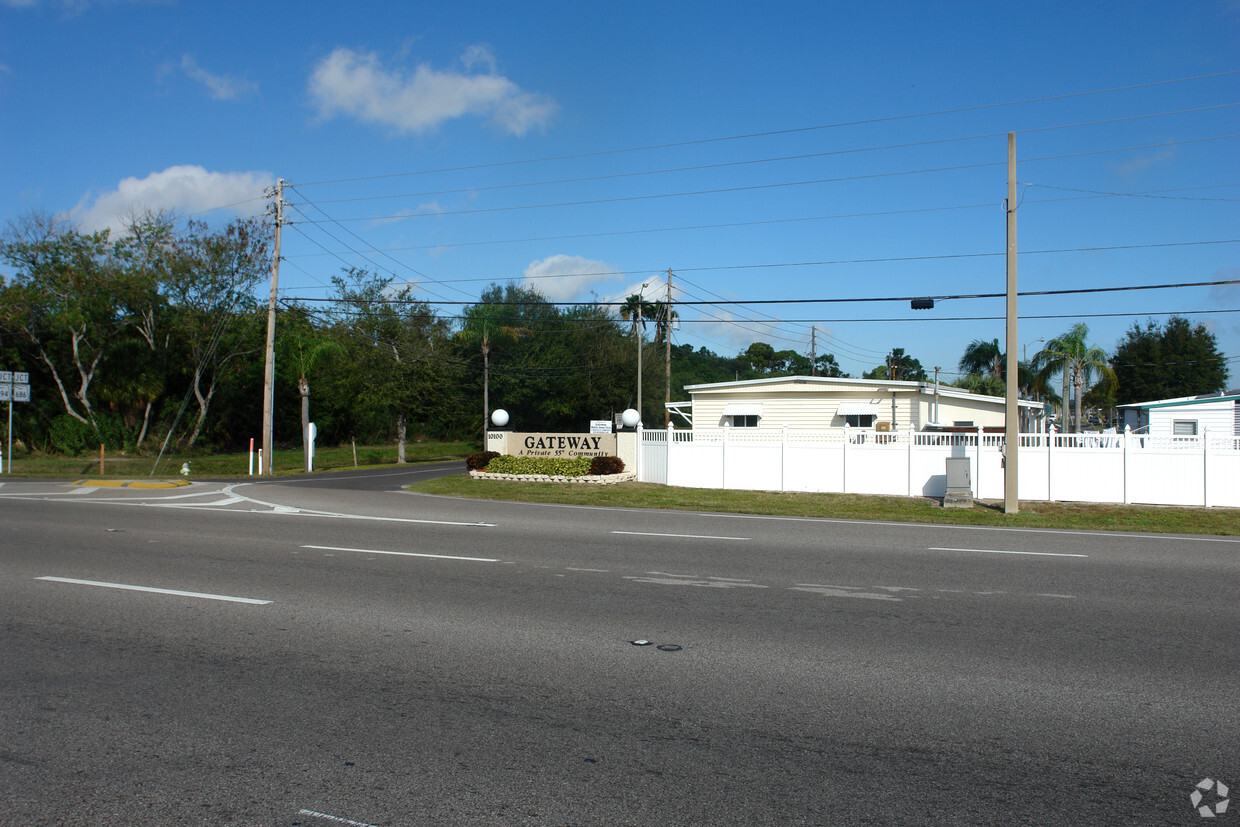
x=154, y=337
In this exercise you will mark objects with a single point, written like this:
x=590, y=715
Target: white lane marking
x=1060, y=596
x=662, y=578
x=998, y=551
x=314, y=513
x=599, y=571
x=336, y=819
x=1116, y=535
x=686, y=536
x=406, y=554
x=842, y=591
x=175, y=592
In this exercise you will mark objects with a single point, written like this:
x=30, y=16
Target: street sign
x=20, y=378
x=6, y=392
x=21, y=393
x=6, y=377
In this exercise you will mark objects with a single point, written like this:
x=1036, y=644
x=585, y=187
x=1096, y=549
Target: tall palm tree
x=983, y=357
x=636, y=310
x=1077, y=362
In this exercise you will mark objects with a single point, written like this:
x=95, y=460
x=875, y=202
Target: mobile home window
x=744, y=420
x=1184, y=427
x=859, y=420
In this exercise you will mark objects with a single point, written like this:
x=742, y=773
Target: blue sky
x=759, y=151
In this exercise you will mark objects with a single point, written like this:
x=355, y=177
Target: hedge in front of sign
x=551, y=466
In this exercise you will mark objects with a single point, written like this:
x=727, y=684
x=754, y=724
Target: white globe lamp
x=630, y=418
x=499, y=417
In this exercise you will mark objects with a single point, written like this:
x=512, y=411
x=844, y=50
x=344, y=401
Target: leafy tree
x=898, y=366
x=393, y=370
x=1077, y=362
x=71, y=296
x=983, y=357
x=1167, y=361
x=209, y=285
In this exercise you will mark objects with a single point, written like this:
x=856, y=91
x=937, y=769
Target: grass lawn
x=122, y=466
x=1081, y=516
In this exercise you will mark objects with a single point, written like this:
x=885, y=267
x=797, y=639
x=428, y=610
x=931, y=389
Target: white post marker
x=311, y=433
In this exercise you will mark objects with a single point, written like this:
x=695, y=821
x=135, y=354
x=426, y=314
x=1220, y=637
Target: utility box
x=959, y=483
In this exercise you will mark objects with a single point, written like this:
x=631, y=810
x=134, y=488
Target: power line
x=794, y=220
x=833, y=300
x=754, y=161
x=790, y=131
x=785, y=184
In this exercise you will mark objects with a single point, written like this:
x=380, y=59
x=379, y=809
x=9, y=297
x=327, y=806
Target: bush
x=69, y=436
x=602, y=466
x=551, y=466
x=478, y=461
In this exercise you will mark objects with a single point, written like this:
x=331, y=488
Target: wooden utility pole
x=269, y=371
x=638, y=330
x=667, y=342
x=813, y=351
x=1011, y=431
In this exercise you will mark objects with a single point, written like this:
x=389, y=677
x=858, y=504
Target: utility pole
x=269, y=371
x=667, y=346
x=638, y=329
x=813, y=350
x=1011, y=435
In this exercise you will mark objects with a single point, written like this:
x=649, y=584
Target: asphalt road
x=334, y=651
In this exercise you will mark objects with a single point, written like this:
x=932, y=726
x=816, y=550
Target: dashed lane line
x=175, y=592
x=406, y=554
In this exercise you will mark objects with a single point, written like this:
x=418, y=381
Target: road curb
x=131, y=483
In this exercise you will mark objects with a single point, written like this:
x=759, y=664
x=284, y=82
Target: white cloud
x=180, y=189
x=356, y=84
x=566, y=278
x=220, y=87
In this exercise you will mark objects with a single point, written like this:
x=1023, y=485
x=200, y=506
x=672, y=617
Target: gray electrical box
x=959, y=483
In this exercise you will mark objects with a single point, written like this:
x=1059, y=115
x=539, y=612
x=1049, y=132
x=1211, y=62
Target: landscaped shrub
x=70, y=436
x=552, y=466
x=601, y=466
x=478, y=461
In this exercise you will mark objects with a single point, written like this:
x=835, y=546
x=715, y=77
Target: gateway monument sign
x=562, y=445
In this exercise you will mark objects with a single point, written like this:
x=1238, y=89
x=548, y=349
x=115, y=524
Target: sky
x=804, y=153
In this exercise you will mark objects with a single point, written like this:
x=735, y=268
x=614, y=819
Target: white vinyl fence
x=1105, y=468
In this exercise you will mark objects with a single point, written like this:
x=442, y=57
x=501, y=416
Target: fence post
x=1205, y=467
x=909, y=460
x=637, y=465
x=1050, y=449
x=667, y=456
x=1125, y=439
x=783, y=460
x=844, y=461
x=723, y=456
x=977, y=476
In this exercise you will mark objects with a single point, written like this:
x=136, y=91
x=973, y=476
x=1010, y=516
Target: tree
x=898, y=366
x=983, y=357
x=391, y=339
x=1078, y=363
x=209, y=284
x=71, y=297
x=1167, y=362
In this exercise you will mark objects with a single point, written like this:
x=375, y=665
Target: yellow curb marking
x=131, y=484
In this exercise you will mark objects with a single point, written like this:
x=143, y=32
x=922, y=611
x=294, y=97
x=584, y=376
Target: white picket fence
x=1103, y=468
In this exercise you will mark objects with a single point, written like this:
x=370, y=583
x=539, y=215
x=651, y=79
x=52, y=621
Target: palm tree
x=1077, y=361
x=488, y=339
x=636, y=310
x=983, y=357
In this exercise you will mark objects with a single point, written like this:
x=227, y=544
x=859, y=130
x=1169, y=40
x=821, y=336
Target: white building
x=1187, y=416
x=825, y=403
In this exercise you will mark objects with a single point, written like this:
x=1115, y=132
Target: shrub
x=602, y=466
x=552, y=466
x=478, y=461
x=69, y=436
